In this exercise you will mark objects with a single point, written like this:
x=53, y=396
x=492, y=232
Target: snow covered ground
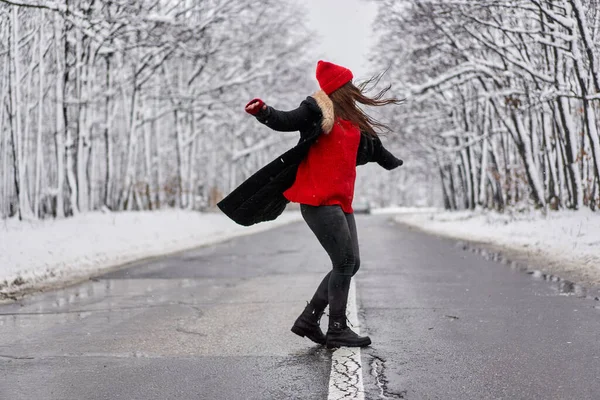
x=566, y=243
x=42, y=253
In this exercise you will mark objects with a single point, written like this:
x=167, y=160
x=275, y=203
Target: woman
x=319, y=173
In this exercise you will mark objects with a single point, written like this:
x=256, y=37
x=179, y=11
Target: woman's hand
x=389, y=161
x=255, y=106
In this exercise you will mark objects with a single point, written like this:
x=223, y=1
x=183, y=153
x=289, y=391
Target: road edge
x=532, y=264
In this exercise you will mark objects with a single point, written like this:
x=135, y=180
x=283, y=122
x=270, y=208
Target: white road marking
x=346, y=380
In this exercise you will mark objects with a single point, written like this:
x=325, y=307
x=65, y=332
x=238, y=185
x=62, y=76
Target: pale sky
x=345, y=31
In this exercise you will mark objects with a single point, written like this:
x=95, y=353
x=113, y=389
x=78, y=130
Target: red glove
x=257, y=106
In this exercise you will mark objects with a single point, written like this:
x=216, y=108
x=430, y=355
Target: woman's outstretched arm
x=371, y=149
x=284, y=121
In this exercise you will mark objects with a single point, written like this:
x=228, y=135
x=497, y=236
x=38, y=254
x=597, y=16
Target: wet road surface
x=447, y=324
x=214, y=324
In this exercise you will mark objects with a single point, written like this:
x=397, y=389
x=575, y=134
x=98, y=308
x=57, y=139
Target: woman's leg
x=330, y=225
x=331, y=229
x=336, y=232
x=321, y=297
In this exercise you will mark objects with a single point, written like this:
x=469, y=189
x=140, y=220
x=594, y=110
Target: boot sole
x=332, y=344
x=302, y=333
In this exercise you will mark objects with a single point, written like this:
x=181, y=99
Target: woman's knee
x=349, y=266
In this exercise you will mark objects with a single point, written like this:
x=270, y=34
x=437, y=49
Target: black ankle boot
x=339, y=335
x=307, y=324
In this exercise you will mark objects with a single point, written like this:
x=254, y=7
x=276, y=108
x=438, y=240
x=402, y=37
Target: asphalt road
x=214, y=324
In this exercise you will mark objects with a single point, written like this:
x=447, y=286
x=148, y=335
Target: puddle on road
x=101, y=299
x=562, y=286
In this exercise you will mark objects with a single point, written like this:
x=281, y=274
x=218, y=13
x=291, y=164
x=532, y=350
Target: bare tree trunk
x=126, y=196
x=563, y=170
x=91, y=170
x=82, y=129
x=484, y=167
x=525, y=150
x=27, y=185
x=39, y=154
x=191, y=158
x=107, y=140
x=445, y=191
x=24, y=207
x=571, y=153
x=453, y=191
x=160, y=194
x=498, y=175
x=484, y=153
x=70, y=145
x=447, y=203
x=60, y=134
x=472, y=176
x=4, y=197
x=179, y=153
x=465, y=174
x=150, y=189
x=553, y=181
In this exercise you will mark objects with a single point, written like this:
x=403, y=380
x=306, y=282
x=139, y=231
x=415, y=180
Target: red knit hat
x=331, y=76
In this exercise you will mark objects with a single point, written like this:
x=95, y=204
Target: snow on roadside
x=40, y=253
x=566, y=242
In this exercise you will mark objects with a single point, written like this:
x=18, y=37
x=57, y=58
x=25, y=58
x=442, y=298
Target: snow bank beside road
x=39, y=253
x=565, y=243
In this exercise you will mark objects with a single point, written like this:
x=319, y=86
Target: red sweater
x=327, y=175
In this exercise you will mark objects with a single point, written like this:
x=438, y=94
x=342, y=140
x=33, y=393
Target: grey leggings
x=336, y=231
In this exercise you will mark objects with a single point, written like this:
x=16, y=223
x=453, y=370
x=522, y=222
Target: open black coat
x=260, y=198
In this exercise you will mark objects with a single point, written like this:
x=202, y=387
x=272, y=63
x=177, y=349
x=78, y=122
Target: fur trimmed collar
x=326, y=106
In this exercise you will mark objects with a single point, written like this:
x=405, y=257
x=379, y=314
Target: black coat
x=260, y=198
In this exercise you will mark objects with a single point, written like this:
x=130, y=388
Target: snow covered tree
x=504, y=97
x=137, y=104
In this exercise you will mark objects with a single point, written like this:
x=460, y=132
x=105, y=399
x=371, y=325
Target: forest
x=504, y=98
x=138, y=105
